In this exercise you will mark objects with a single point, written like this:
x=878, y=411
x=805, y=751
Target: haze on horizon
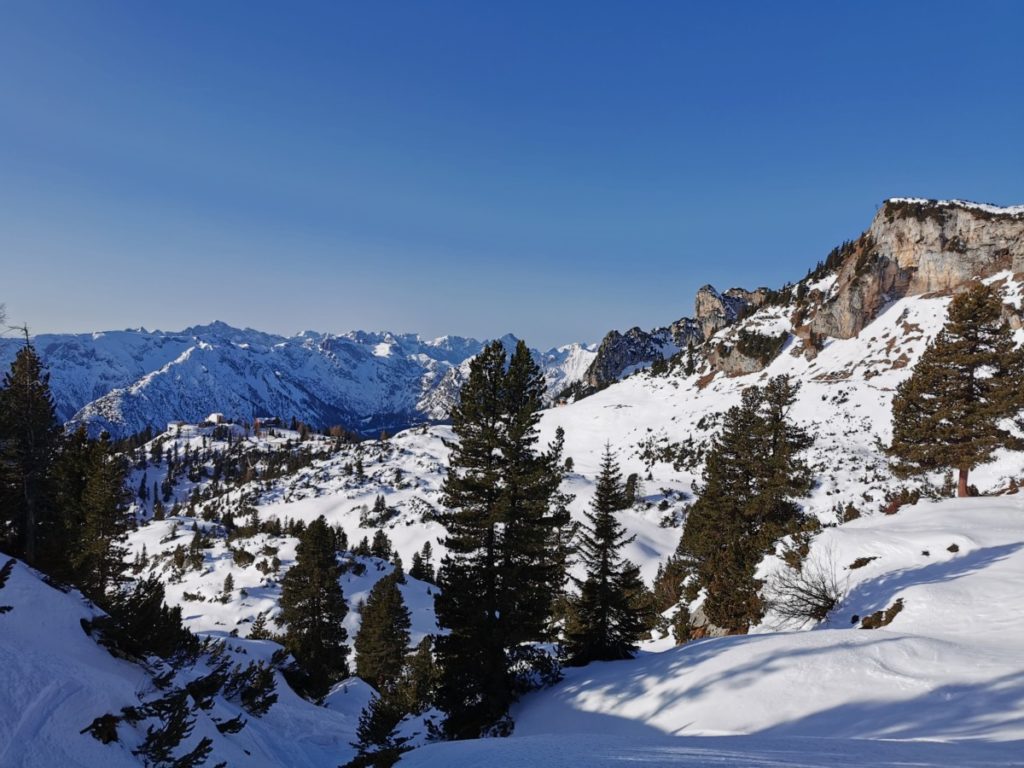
x=467, y=169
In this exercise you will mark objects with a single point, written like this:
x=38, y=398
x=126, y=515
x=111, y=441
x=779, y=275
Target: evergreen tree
x=381, y=545
x=969, y=379
x=420, y=678
x=752, y=473
x=422, y=566
x=313, y=608
x=29, y=441
x=606, y=621
x=379, y=745
x=99, y=552
x=497, y=582
x=383, y=638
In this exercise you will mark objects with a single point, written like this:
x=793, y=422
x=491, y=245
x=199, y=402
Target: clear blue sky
x=550, y=169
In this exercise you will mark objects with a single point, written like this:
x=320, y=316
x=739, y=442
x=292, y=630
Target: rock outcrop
x=916, y=247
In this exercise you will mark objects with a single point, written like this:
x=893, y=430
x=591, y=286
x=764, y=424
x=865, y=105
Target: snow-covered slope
x=948, y=667
x=56, y=680
x=124, y=381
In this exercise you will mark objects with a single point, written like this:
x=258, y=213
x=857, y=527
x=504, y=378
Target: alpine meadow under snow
x=915, y=660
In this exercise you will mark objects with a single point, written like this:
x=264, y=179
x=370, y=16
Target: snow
x=124, y=381
x=1011, y=210
x=944, y=678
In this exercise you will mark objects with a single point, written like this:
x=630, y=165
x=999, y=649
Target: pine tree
x=381, y=545
x=606, y=622
x=99, y=552
x=420, y=678
x=752, y=473
x=970, y=378
x=379, y=745
x=383, y=639
x=498, y=581
x=29, y=441
x=313, y=608
x=228, y=590
x=422, y=567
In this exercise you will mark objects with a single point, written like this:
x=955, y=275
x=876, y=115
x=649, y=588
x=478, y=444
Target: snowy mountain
x=124, y=381
x=940, y=684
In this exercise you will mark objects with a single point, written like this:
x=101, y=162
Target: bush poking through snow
x=808, y=593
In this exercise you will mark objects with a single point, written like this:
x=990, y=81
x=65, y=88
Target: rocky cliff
x=916, y=247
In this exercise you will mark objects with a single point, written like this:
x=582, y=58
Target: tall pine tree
x=383, y=638
x=752, y=474
x=29, y=441
x=102, y=522
x=498, y=581
x=313, y=608
x=970, y=378
x=605, y=620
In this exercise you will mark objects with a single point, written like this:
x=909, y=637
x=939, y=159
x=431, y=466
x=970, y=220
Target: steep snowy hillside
x=946, y=669
x=124, y=381
x=56, y=680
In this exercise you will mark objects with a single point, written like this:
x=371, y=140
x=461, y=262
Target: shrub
x=808, y=593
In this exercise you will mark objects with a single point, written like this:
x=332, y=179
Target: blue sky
x=548, y=169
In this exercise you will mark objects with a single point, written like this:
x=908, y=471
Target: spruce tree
x=969, y=379
x=99, y=552
x=313, y=608
x=751, y=476
x=606, y=621
x=497, y=582
x=379, y=745
x=422, y=566
x=29, y=441
x=383, y=638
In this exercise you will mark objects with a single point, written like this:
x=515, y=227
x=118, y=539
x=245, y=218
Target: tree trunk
x=961, y=486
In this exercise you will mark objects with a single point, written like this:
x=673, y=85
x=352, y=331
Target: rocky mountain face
x=124, y=381
x=621, y=353
x=916, y=247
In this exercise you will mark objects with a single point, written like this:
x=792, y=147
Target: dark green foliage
x=378, y=744
x=313, y=608
x=381, y=545
x=99, y=524
x=422, y=567
x=5, y=573
x=752, y=474
x=605, y=619
x=383, y=639
x=503, y=572
x=140, y=624
x=759, y=346
x=29, y=441
x=971, y=377
x=253, y=686
x=420, y=678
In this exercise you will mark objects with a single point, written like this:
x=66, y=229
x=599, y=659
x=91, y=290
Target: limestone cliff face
x=714, y=311
x=919, y=246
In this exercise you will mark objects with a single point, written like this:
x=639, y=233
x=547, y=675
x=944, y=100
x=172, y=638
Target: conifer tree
x=606, y=621
x=497, y=582
x=379, y=745
x=99, y=551
x=381, y=545
x=422, y=566
x=752, y=474
x=383, y=638
x=29, y=440
x=420, y=678
x=969, y=379
x=313, y=608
